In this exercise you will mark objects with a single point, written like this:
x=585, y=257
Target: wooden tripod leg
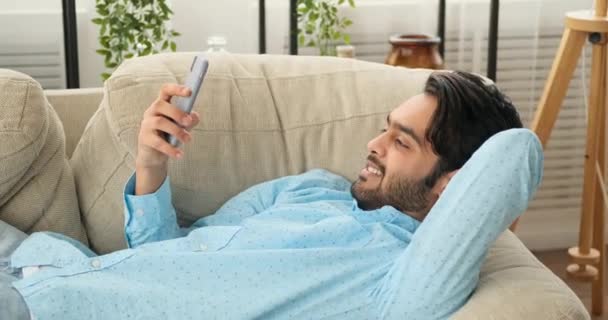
x=597, y=293
x=599, y=204
x=596, y=98
x=557, y=85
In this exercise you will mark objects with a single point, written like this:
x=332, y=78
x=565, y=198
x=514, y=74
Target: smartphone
x=194, y=81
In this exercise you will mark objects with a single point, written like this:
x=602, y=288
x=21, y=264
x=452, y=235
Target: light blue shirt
x=293, y=248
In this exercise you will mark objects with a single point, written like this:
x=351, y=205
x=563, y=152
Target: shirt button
x=139, y=212
x=203, y=247
x=96, y=263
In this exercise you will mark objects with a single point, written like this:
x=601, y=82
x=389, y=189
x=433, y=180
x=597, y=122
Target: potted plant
x=131, y=28
x=320, y=26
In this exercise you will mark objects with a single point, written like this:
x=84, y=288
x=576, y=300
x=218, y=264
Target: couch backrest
x=263, y=117
x=74, y=108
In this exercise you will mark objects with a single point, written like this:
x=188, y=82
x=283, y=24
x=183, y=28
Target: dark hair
x=469, y=111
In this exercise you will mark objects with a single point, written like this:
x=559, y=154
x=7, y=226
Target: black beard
x=402, y=193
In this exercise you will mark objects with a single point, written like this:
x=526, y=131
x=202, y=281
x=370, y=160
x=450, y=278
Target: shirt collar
x=396, y=217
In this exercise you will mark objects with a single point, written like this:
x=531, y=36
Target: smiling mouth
x=370, y=170
x=373, y=171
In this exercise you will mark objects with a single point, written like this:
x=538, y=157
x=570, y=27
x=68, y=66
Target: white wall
x=89, y=62
x=29, y=5
x=237, y=20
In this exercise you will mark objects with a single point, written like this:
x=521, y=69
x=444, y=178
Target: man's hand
x=153, y=151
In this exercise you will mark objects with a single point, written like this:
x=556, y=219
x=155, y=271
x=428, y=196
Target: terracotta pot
x=415, y=51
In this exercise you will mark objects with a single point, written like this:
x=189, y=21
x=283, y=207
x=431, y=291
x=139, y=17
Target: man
x=405, y=241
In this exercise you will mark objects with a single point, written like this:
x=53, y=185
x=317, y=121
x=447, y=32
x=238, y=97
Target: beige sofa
x=66, y=154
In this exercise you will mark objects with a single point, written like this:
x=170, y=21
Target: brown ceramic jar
x=415, y=51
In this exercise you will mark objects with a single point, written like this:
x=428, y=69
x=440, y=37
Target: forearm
x=148, y=179
x=151, y=216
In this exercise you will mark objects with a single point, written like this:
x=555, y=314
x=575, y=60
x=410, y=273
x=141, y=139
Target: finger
x=196, y=119
x=159, y=144
x=164, y=108
x=165, y=125
x=169, y=90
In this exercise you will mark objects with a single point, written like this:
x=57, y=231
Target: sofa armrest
x=514, y=285
x=74, y=107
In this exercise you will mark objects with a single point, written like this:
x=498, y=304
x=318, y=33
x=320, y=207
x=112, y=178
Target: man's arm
x=149, y=213
x=439, y=269
x=150, y=217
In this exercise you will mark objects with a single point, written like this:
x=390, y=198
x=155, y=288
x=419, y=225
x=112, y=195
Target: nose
x=376, y=145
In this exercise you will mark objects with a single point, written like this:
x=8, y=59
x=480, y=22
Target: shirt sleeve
x=439, y=269
x=150, y=217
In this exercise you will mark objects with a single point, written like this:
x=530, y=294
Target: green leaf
x=103, y=52
x=165, y=8
x=310, y=43
x=102, y=9
x=129, y=55
x=175, y=33
x=165, y=45
x=351, y=3
x=97, y=20
x=173, y=46
x=105, y=41
x=347, y=38
x=105, y=76
x=301, y=39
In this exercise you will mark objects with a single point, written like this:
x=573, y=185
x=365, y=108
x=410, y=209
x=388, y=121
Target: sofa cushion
x=37, y=189
x=263, y=117
x=513, y=284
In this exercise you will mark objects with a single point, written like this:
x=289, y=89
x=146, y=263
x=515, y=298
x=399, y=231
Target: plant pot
x=415, y=51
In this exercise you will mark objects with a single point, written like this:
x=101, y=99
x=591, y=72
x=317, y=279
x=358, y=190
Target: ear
x=443, y=182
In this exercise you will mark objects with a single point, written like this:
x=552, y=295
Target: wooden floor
x=557, y=262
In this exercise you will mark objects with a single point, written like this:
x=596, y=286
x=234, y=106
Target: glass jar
x=345, y=51
x=415, y=51
x=216, y=44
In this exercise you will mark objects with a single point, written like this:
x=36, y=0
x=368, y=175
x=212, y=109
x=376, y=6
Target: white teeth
x=374, y=171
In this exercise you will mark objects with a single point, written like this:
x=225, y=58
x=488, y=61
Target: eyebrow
x=407, y=130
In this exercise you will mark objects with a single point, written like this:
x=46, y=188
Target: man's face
x=399, y=160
